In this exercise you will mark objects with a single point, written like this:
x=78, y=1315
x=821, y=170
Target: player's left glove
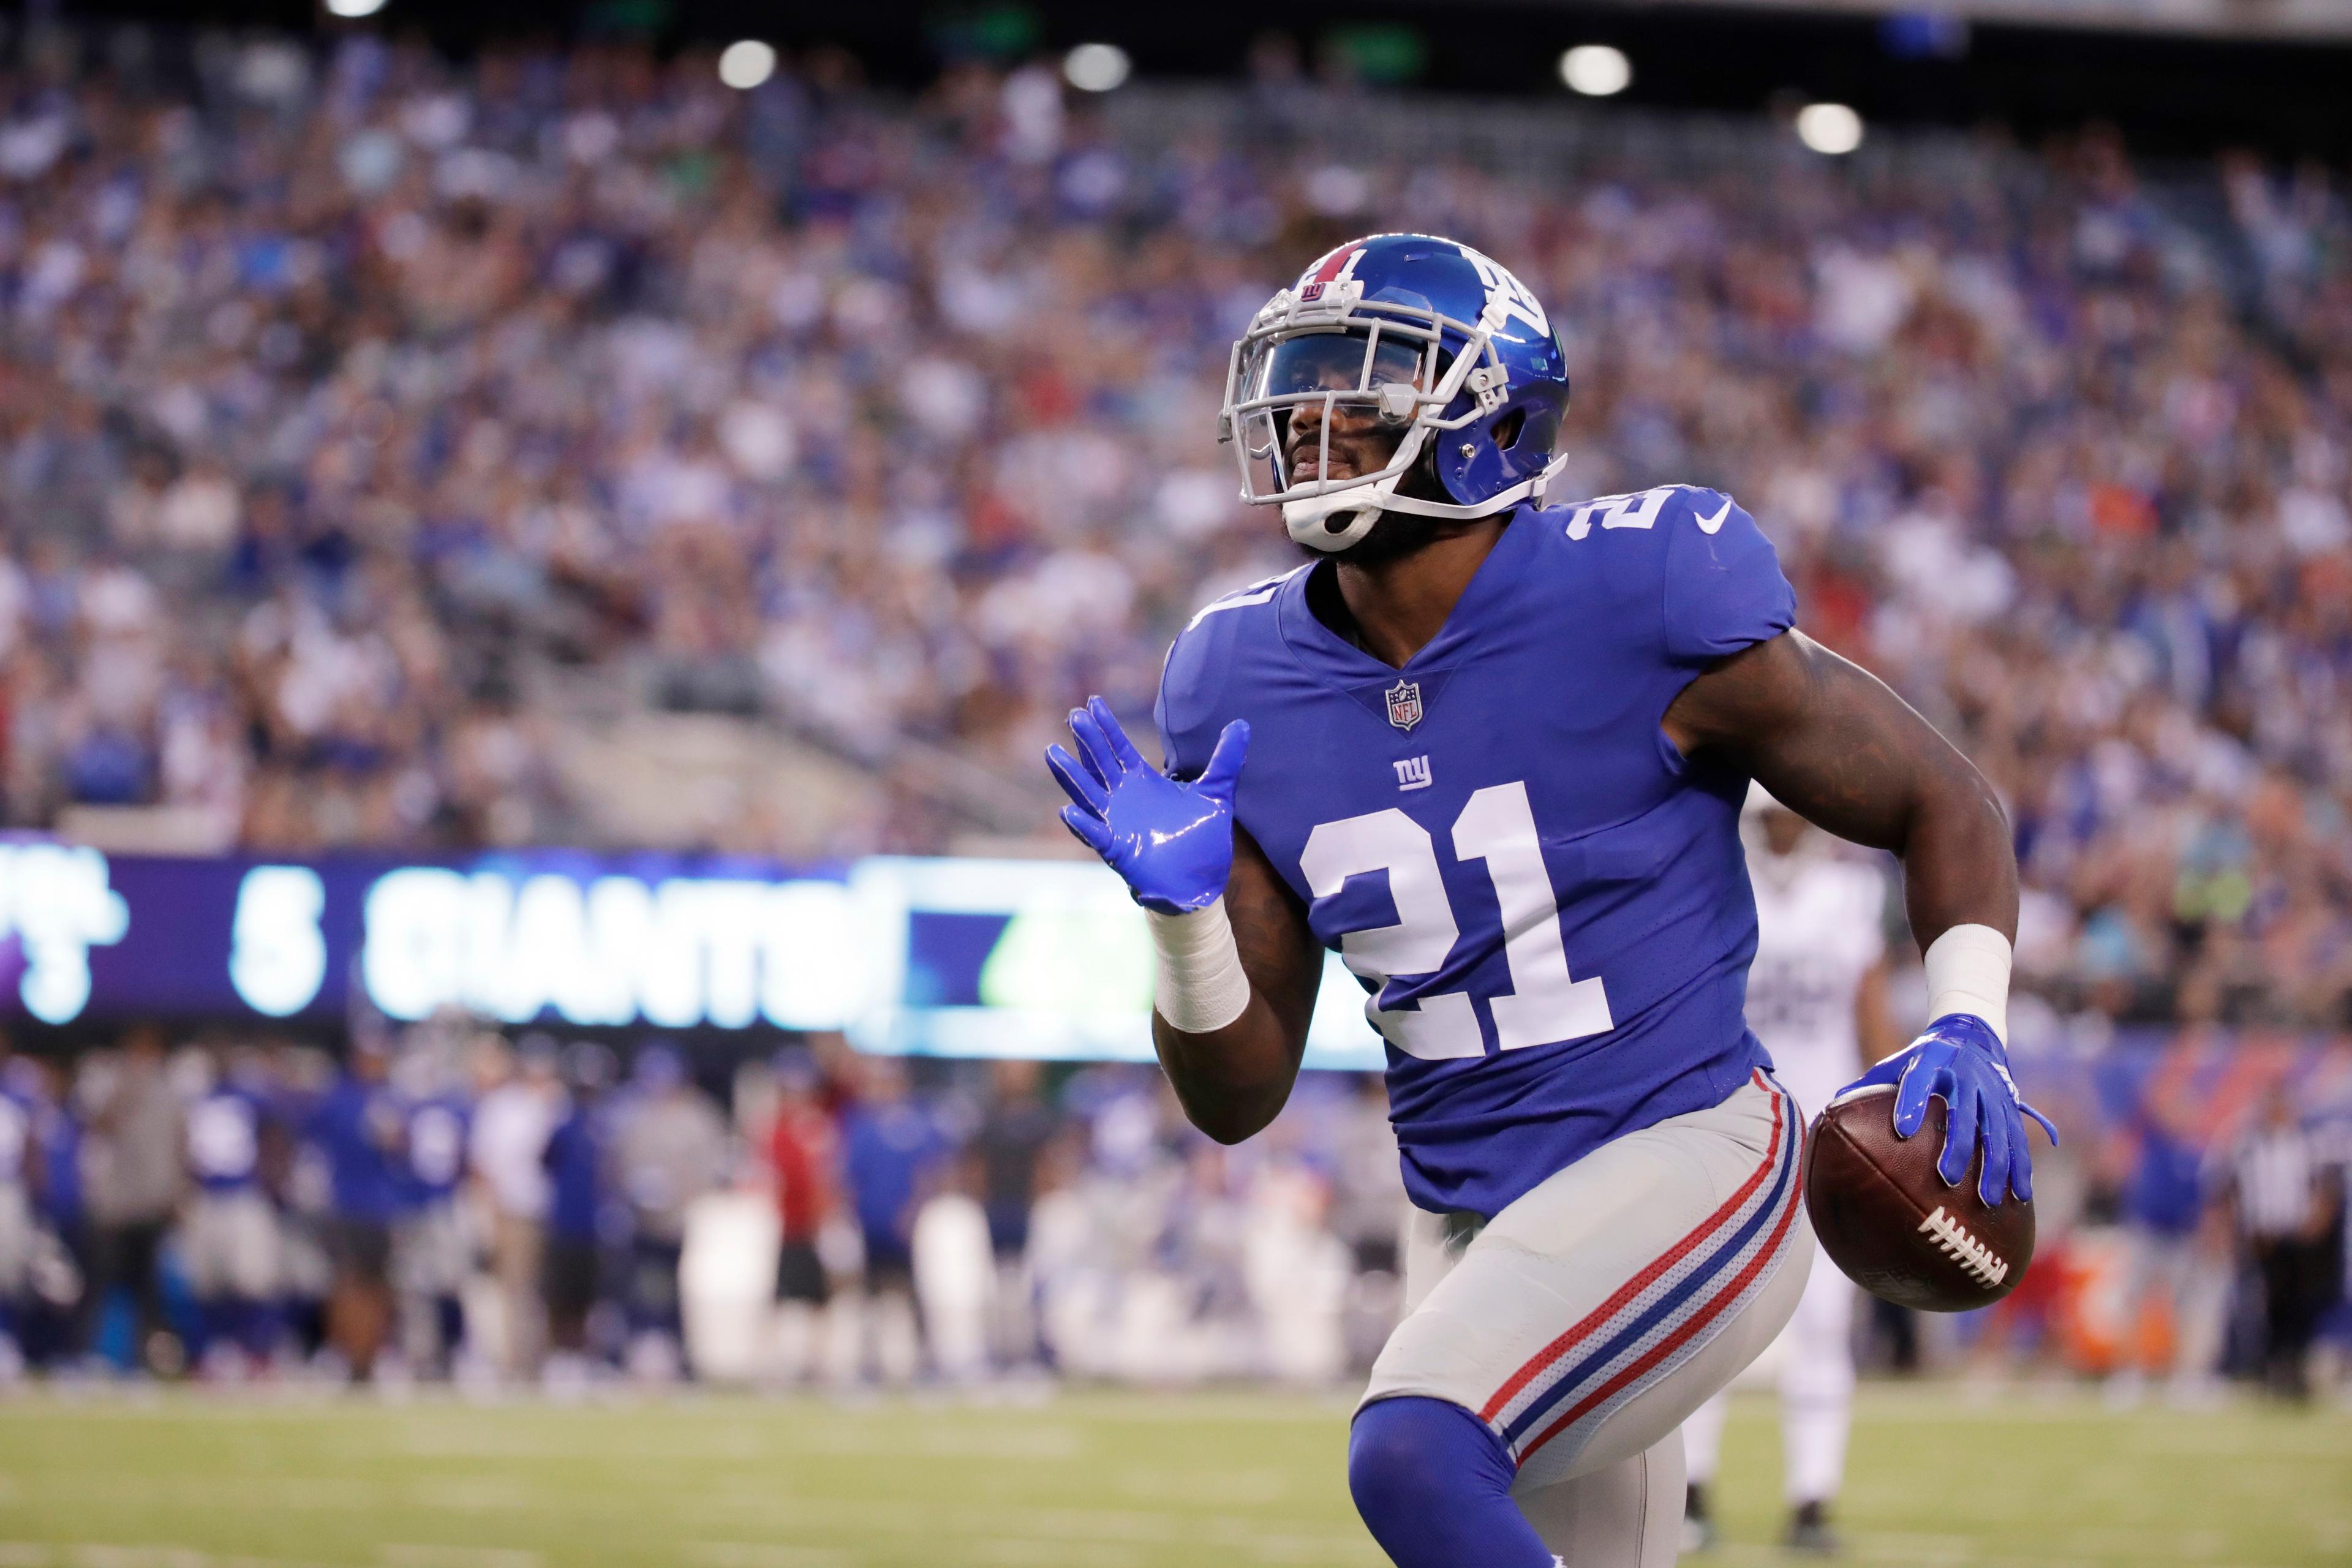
x=1172, y=842
x=1959, y=1061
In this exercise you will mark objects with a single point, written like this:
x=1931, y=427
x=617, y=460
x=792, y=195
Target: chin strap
x=1309, y=520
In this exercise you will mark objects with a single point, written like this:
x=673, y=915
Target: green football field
x=1122, y=1480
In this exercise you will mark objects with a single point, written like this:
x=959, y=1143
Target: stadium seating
x=360, y=405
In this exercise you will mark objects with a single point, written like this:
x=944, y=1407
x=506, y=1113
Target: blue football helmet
x=1424, y=334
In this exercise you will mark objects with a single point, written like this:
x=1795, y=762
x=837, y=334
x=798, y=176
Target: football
x=1885, y=1217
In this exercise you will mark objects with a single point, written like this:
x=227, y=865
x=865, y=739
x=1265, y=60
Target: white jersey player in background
x=1817, y=998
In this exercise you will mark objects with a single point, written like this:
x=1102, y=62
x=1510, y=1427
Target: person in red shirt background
x=803, y=1153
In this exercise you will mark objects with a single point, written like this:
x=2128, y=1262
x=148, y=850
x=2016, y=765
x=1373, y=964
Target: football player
x=229, y=1232
x=1817, y=999
x=1494, y=751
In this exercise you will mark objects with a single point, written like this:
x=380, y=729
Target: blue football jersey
x=1548, y=903
x=225, y=1139
x=437, y=1131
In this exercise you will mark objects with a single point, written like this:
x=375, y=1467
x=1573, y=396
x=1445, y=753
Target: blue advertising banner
x=954, y=957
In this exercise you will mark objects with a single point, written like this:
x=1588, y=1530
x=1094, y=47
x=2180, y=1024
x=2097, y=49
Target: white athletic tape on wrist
x=1967, y=972
x=1202, y=986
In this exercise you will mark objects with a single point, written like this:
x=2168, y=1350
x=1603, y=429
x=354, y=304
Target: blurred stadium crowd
x=448, y=1204
x=348, y=394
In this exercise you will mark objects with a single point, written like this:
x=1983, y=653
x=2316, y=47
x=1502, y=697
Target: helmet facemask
x=1398, y=366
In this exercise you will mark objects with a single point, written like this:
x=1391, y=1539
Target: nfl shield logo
x=1404, y=704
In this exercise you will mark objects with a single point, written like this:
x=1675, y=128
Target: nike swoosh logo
x=1714, y=524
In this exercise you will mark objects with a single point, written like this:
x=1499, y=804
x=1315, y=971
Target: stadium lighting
x=746, y=63
x=1830, y=128
x=351, y=10
x=1596, y=70
x=1096, y=68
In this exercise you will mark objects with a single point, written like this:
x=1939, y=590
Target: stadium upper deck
x=348, y=394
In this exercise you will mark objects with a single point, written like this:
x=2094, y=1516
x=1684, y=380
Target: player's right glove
x=1172, y=842
x=1958, y=1059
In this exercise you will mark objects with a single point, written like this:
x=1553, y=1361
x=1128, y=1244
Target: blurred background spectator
x=804, y=1161
x=131, y=1173
x=669, y=1149
x=507, y=1148
x=2287, y=1213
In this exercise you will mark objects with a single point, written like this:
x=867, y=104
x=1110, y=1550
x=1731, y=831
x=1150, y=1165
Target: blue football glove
x=1172, y=842
x=1958, y=1059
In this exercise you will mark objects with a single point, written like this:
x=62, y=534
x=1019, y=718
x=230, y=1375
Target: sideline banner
x=956, y=957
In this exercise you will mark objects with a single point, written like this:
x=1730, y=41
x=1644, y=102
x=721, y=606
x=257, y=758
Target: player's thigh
x=1597, y=1311
x=1625, y=1515
x=1433, y=1244
x=1641, y=1417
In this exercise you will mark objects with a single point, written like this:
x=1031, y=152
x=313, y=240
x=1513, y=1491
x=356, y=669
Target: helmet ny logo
x=1340, y=266
x=1404, y=704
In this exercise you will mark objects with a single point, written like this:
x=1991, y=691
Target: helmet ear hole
x=1539, y=433
x=1506, y=429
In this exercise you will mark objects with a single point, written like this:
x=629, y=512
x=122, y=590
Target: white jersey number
x=1497, y=826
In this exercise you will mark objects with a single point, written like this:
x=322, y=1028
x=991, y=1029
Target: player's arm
x=1238, y=967
x=1234, y=1079
x=1835, y=745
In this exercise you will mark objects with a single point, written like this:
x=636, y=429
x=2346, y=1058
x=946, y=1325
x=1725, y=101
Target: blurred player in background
x=2177, y=1259
x=1014, y=1133
x=16, y=1156
x=577, y=1161
x=229, y=1232
x=359, y=1127
x=432, y=1251
x=890, y=1144
x=135, y=1175
x=670, y=1145
x=1817, y=1000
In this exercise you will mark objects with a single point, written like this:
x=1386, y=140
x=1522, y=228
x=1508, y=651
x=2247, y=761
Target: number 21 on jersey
x=1498, y=826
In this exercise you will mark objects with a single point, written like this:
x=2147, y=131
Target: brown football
x=1884, y=1217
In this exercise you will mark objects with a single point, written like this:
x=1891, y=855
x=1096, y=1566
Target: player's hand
x=1959, y=1061
x=1172, y=842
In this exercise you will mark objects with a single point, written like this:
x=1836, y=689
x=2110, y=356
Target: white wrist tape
x=1200, y=986
x=1967, y=972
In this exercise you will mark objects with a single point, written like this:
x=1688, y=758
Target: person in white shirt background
x=1817, y=998
x=507, y=1150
